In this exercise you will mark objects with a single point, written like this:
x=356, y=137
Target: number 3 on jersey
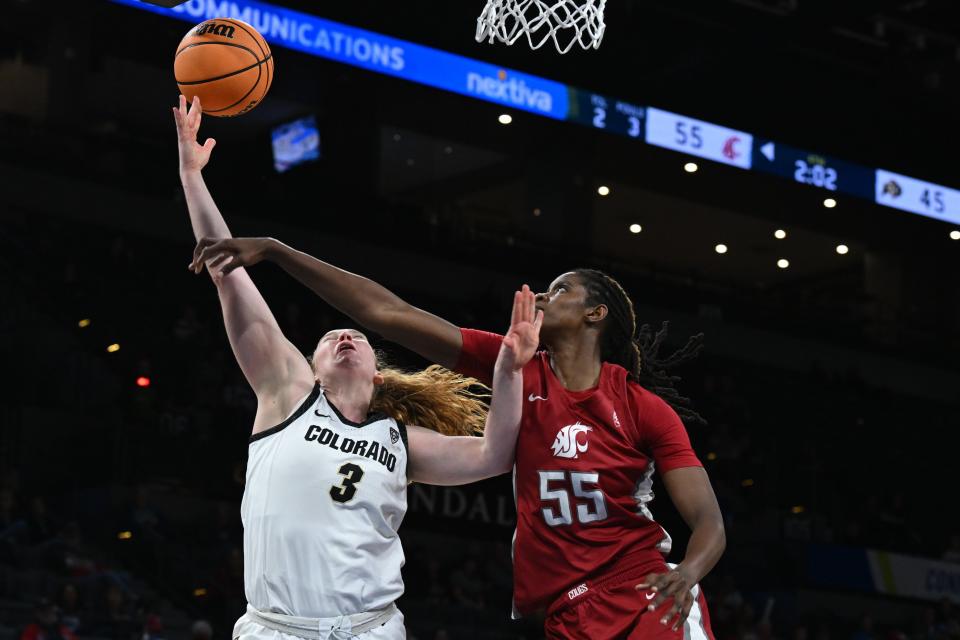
x=352, y=474
x=562, y=496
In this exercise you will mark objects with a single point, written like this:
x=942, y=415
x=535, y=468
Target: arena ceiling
x=874, y=83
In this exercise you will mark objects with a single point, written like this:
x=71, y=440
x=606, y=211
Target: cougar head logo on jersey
x=566, y=444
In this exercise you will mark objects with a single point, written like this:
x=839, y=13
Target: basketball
x=225, y=62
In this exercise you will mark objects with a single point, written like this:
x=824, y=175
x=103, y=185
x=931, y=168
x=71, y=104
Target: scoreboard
x=509, y=88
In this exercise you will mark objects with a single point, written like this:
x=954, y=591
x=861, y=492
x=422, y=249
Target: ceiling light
x=603, y=190
x=635, y=228
x=690, y=167
x=955, y=235
x=720, y=248
x=843, y=249
x=779, y=234
x=505, y=118
x=783, y=263
x=829, y=203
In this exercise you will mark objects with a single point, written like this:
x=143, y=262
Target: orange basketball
x=225, y=62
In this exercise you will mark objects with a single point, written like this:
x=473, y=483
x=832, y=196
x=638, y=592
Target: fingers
x=218, y=261
x=523, y=306
x=211, y=253
x=197, y=250
x=209, y=144
x=660, y=584
x=538, y=322
x=649, y=581
x=195, y=112
x=206, y=249
x=528, y=302
x=229, y=267
x=674, y=614
x=684, y=612
x=668, y=586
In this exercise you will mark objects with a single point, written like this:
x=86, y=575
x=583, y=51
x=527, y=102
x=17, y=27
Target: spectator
x=865, y=631
x=46, y=624
x=10, y=519
x=152, y=628
x=952, y=554
x=77, y=558
x=117, y=622
x=12, y=526
x=71, y=612
x=201, y=630
x=41, y=526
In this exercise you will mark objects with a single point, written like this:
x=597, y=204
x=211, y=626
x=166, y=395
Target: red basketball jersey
x=583, y=475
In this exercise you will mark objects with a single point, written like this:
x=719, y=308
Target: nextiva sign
x=383, y=54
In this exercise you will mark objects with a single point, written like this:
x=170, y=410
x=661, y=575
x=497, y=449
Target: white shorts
x=247, y=628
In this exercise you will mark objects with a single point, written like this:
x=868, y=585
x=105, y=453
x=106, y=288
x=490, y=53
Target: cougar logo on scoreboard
x=566, y=444
x=217, y=29
x=394, y=435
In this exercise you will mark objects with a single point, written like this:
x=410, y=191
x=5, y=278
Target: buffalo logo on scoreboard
x=892, y=189
x=567, y=444
x=215, y=29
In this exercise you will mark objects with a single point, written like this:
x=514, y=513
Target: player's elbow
x=721, y=538
x=495, y=462
x=713, y=523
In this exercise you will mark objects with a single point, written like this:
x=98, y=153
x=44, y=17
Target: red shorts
x=613, y=610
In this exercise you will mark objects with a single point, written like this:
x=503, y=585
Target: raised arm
x=450, y=460
x=277, y=372
x=368, y=303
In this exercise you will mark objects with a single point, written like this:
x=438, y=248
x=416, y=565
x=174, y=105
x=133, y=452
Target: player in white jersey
x=326, y=476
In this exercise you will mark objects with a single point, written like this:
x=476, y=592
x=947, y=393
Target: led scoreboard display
x=699, y=138
x=514, y=89
x=609, y=114
x=813, y=169
x=916, y=196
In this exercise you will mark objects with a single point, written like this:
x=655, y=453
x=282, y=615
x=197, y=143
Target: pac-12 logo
x=567, y=444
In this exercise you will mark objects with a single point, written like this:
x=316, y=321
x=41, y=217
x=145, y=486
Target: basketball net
x=565, y=22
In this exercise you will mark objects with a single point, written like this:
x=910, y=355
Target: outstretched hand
x=523, y=336
x=193, y=156
x=223, y=256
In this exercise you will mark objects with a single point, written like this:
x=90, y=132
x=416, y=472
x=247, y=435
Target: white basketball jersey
x=321, y=508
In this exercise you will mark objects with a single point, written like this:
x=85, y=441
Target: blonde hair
x=435, y=398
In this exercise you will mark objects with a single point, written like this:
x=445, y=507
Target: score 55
x=699, y=138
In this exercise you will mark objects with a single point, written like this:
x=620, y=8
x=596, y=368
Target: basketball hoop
x=566, y=22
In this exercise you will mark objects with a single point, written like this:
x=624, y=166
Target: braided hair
x=638, y=352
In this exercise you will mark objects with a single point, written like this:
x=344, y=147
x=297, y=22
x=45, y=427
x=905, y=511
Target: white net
x=565, y=22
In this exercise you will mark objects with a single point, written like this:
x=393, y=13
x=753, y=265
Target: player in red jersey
x=587, y=550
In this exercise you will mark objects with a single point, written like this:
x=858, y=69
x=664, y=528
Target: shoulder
x=648, y=407
x=278, y=418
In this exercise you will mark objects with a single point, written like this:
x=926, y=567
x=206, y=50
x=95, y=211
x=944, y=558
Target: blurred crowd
x=119, y=499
